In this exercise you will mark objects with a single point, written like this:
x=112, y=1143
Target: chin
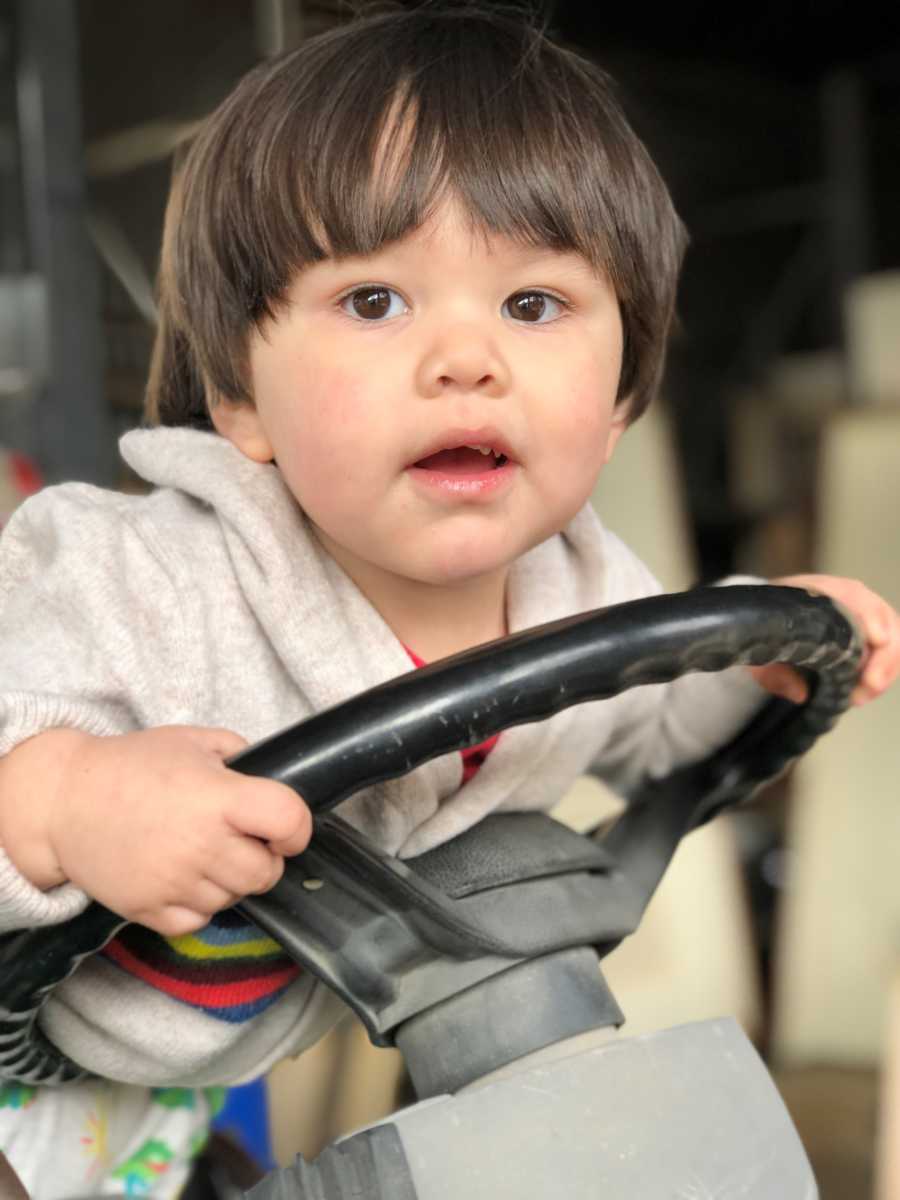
x=452, y=570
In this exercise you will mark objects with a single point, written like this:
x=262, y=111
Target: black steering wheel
x=429, y=912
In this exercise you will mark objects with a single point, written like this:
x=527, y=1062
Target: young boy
x=417, y=279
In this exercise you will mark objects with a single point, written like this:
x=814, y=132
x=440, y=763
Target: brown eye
x=534, y=307
x=373, y=303
x=527, y=306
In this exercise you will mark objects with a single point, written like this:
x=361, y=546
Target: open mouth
x=463, y=460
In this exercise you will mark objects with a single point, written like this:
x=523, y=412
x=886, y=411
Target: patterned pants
x=104, y=1139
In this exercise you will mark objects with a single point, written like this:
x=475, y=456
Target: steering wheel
x=453, y=917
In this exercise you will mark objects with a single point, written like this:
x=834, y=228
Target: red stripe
x=474, y=756
x=200, y=995
x=160, y=955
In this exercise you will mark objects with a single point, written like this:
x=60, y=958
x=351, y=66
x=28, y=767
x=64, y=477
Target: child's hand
x=151, y=824
x=878, y=623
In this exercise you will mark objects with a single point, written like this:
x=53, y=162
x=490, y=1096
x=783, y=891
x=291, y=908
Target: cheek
x=584, y=421
x=337, y=400
x=594, y=380
x=320, y=414
x=327, y=441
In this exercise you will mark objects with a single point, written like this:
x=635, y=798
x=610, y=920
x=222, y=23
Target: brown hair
x=347, y=143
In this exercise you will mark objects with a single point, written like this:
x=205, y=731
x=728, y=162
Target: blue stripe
x=215, y=934
x=236, y=1014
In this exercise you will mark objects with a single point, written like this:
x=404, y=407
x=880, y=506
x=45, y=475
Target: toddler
x=417, y=279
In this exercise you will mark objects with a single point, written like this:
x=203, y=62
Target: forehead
x=453, y=235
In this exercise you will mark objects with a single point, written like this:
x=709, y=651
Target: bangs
x=523, y=134
x=352, y=140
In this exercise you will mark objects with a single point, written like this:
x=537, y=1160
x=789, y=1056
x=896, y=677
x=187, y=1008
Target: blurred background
x=776, y=449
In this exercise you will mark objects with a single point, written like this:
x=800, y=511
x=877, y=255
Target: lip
x=479, y=486
x=484, y=486
x=452, y=439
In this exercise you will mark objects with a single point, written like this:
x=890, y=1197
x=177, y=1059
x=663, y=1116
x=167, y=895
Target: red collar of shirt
x=474, y=756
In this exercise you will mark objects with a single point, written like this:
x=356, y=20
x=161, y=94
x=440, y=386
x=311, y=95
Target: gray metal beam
x=72, y=429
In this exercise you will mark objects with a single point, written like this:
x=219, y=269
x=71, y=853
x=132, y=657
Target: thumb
x=224, y=743
x=781, y=680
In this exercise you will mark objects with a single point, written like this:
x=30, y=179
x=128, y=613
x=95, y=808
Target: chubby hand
x=152, y=824
x=878, y=623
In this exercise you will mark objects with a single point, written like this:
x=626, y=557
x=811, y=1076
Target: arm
x=104, y=637
x=152, y=823
x=94, y=645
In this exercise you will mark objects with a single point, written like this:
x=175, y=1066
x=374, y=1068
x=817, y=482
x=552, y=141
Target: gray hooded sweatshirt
x=211, y=602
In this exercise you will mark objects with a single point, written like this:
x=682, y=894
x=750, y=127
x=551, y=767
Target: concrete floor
x=836, y=1113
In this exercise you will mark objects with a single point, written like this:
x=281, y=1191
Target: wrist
x=35, y=786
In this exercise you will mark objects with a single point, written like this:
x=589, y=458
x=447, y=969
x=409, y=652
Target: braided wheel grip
x=392, y=729
x=782, y=731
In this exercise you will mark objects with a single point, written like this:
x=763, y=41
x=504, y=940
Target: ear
x=620, y=421
x=239, y=422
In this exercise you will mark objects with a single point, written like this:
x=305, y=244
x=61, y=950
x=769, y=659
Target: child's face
x=381, y=379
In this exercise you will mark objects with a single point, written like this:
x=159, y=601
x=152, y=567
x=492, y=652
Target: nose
x=463, y=358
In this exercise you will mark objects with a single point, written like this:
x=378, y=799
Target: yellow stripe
x=192, y=947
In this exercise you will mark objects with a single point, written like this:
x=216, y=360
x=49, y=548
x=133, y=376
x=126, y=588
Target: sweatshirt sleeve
x=660, y=727
x=81, y=598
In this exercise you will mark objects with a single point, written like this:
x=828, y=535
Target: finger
x=210, y=896
x=249, y=867
x=172, y=920
x=862, y=694
x=271, y=811
x=194, y=909
x=881, y=622
x=880, y=669
x=870, y=671
x=277, y=870
x=873, y=630
x=875, y=617
x=288, y=847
